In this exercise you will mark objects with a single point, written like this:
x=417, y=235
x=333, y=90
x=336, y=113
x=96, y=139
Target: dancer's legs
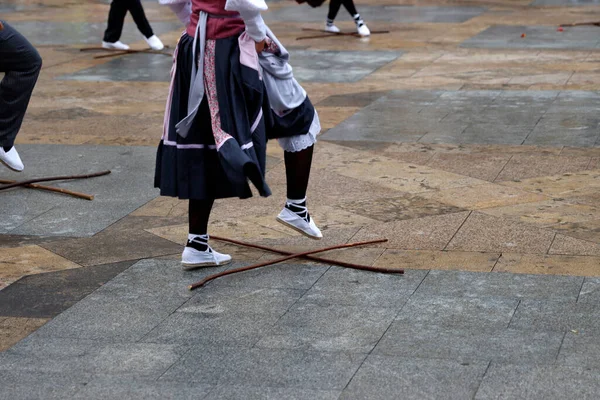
x=139, y=17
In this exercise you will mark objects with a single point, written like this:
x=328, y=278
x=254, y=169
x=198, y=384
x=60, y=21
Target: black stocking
x=199, y=211
x=297, y=172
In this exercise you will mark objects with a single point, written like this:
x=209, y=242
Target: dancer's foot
x=198, y=253
x=11, y=159
x=155, y=43
x=361, y=27
x=330, y=27
x=118, y=45
x=295, y=215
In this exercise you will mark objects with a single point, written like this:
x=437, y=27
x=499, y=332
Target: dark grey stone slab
x=47, y=295
x=341, y=286
x=412, y=378
x=508, y=345
x=538, y=382
x=281, y=276
x=266, y=393
x=329, y=328
x=266, y=368
x=134, y=67
x=64, y=33
x=557, y=316
x=338, y=66
x=71, y=357
x=17, y=385
x=590, y=291
x=467, y=313
x=128, y=187
x=395, y=14
x=212, y=328
x=129, y=306
x=536, y=37
x=580, y=349
x=108, y=388
x=486, y=285
x=227, y=300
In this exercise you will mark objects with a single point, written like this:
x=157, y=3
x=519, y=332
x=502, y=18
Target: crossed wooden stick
x=289, y=255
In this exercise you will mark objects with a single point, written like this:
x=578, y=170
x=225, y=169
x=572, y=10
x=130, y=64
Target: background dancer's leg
x=334, y=8
x=116, y=19
x=21, y=63
x=139, y=17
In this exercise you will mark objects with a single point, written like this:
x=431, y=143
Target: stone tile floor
x=473, y=150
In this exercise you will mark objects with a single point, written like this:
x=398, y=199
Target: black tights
x=297, y=172
x=334, y=7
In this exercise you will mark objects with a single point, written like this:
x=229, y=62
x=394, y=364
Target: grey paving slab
x=266, y=393
x=133, y=359
x=62, y=33
x=128, y=187
x=129, y=306
x=133, y=67
x=484, y=314
x=391, y=13
x=341, y=286
x=539, y=382
x=504, y=345
x=412, y=378
x=281, y=276
x=487, y=285
x=557, y=316
x=212, y=328
x=536, y=37
x=580, y=349
x=338, y=66
x=227, y=300
x=573, y=3
x=266, y=368
x=17, y=385
x=47, y=295
x=108, y=388
x=590, y=291
x=317, y=327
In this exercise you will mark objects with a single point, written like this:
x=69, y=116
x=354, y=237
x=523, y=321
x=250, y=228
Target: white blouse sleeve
x=250, y=12
x=181, y=8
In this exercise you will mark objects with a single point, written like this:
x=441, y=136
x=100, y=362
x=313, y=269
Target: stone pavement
x=474, y=150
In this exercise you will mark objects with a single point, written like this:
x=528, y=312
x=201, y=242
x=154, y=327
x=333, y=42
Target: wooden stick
x=582, y=24
x=278, y=260
x=314, y=258
x=56, y=178
x=325, y=34
x=53, y=189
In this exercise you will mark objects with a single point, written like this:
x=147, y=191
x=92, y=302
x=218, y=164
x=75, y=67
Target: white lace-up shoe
x=155, y=43
x=306, y=226
x=118, y=45
x=11, y=159
x=192, y=258
x=332, y=28
x=363, y=30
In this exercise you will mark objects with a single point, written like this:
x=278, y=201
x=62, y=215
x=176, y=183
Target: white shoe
x=11, y=159
x=155, y=43
x=332, y=28
x=296, y=222
x=118, y=45
x=192, y=258
x=363, y=30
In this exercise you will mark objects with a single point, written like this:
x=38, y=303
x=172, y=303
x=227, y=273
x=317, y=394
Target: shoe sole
x=9, y=167
x=189, y=267
x=297, y=229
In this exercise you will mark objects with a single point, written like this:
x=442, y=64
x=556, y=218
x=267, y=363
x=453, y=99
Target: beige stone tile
x=440, y=260
x=480, y=166
x=163, y=207
x=549, y=213
x=17, y=262
x=561, y=186
x=548, y=264
x=427, y=233
x=484, y=196
x=483, y=232
x=332, y=116
x=523, y=166
x=571, y=246
x=12, y=330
